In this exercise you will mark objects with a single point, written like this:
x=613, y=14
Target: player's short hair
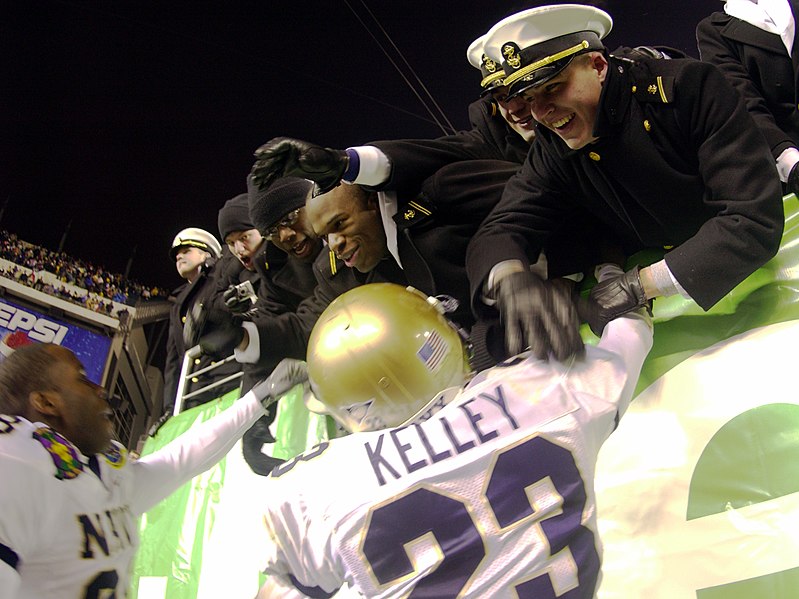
x=26, y=370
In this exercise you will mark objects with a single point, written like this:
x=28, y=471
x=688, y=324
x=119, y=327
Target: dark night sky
x=134, y=119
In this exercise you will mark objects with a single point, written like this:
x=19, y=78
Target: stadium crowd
x=580, y=161
x=99, y=283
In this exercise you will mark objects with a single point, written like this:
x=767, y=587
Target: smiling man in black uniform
x=662, y=152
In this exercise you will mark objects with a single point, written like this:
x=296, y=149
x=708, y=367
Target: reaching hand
x=539, y=314
x=221, y=334
x=286, y=375
x=288, y=157
x=237, y=302
x=612, y=297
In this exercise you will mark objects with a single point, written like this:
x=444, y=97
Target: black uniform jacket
x=284, y=283
x=679, y=162
x=760, y=68
x=432, y=238
x=203, y=290
x=414, y=160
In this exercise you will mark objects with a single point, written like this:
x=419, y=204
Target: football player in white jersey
x=484, y=491
x=69, y=495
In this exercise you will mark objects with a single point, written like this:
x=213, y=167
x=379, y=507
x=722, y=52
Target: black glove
x=288, y=157
x=194, y=324
x=252, y=443
x=613, y=297
x=286, y=375
x=156, y=426
x=792, y=184
x=538, y=314
x=221, y=334
x=239, y=298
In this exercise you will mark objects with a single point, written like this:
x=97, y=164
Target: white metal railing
x=186, y=373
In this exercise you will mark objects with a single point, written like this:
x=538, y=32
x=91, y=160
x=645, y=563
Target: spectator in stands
x=195, y=252
x=643, y=145
x=284, y=264
x=74, y=272
x=423, y=245
x=239, y=279
x=242, y=239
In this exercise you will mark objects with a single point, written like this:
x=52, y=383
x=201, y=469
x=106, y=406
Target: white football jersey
x=487, y=494
x=68, y=523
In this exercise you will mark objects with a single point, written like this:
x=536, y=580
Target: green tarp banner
x=698, y=488
x=195, y=543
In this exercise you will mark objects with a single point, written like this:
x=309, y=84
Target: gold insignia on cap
x=544, y=61
x=647, y=125
x=509, y=52
x=498, y=76
x=594, y=156
x=489, y=64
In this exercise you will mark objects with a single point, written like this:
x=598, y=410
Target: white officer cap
x=198, y=238
x=537, y=44
x=493, y=75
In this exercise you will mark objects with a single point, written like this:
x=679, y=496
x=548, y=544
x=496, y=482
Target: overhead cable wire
x=410, y=68
x=448, y=128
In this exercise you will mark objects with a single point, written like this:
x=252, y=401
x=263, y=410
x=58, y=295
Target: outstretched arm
x=163, y=472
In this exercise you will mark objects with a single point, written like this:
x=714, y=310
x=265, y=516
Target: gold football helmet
x=379, y=353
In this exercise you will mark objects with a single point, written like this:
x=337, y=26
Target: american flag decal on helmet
x=433, y=351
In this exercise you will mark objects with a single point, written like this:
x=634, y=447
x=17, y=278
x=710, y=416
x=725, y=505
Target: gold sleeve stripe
x=661, y=90
x=332, y=257
x=420, y=208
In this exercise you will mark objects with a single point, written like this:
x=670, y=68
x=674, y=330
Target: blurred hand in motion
x=288, y=157
x=287, y=374
x=221, y=334
x=539, y=314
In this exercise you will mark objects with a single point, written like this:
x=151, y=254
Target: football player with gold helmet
x=447, y=488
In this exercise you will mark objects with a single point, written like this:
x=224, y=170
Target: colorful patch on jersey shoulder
x=62, y=452
x=116, y=456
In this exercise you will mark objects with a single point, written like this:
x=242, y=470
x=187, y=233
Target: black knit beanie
x=235, y=216
x=268, y=207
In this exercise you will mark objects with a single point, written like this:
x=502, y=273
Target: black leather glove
x=792, y=184
x=221, y=334
x=613, y=297
x=286, y=375
x=252, y=444
x=288, y=157
x=538, y=314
